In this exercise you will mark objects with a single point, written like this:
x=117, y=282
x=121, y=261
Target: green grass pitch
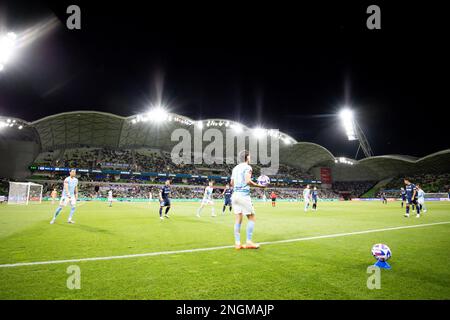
x=324, y=268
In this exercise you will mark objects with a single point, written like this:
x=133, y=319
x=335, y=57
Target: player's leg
x=417, y=208
x=237, y=230
x=211, y=203
x=408, y=202
x=62, y=204
x=166, y=213
x=199, y=210
x=306, y=204
x=73, y=203
x=249, y=244
x=161, y=207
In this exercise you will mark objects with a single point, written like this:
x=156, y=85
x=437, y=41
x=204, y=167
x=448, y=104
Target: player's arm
x=248, y=181
x=66, y=188
x=160, y=195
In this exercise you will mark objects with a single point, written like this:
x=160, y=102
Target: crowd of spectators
x=145, y=160
x=433, y=183
x=353, y=188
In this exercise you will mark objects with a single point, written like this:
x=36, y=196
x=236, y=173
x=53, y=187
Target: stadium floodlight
x=158, y=114
x=354, y=131
x=7, y=46
x=348, y=123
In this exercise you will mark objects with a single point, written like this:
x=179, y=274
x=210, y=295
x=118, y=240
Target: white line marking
x=150, y=254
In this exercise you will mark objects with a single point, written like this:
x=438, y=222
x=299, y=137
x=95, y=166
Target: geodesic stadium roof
x=99, y=129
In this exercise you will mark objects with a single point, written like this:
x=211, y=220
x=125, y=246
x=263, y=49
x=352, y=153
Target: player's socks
x=58, y=210
x=250, y=228
x=72, y=211
x=160, y=212
x=223, y=210
x=230, y=208
x=166, y=212
x=212, y=212
x=199, y=210
x=237, y=234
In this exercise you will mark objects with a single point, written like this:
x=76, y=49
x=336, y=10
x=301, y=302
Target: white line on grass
x=150, y=254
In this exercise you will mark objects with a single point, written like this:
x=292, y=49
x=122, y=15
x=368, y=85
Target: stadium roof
x=99, y=129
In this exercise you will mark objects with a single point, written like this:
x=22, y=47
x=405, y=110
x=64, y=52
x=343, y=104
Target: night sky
x=276, y=65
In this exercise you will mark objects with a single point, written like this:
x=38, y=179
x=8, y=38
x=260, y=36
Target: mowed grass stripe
x=149, y=254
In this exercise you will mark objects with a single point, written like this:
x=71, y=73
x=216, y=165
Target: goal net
x=24, y=193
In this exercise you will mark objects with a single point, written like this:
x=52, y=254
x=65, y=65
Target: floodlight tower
x=354, y=132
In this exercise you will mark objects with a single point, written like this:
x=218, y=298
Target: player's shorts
x=65, y=200
x=420, y=201
x=207, y=201
x=403, y=198
x=227, y=202
x=306, y=200
x=274, y=199
x=412, y=201
x=110, y=199
x=164, y=203
x=314, y=200
x=242, y=204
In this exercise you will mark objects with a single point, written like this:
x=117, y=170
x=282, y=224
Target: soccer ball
x=263, y=180
x=381, y=252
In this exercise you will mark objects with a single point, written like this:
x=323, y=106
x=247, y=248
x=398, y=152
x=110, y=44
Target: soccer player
x=315, y=197
x=306, y=196
x=421, y=199
x=273, y=196
x=110, y=197
x=411, y=195
x=53, y=195
x=69, y=194
x=227, y=192
x=403, y=195
x=241, y=180
x=164, y=200
x=383, y=197
x=207, y=200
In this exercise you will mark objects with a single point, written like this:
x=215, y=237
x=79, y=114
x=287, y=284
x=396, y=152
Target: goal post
x=24, y=193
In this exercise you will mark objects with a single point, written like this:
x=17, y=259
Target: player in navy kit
x=411, y=196
x=403, y=195
x=383, y=198
x=228, y=192
x=164, y=200
x=315, y=196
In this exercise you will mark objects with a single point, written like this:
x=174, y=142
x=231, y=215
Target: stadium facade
x=19, y=148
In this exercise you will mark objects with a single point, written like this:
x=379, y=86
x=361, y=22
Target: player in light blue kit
x=241, y=180
x=307, y=197
x=69, y=194
x=421, y=198
x=207, y=200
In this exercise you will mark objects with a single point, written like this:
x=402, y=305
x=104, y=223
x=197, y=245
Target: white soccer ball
x=263, y=180
x=381, y=252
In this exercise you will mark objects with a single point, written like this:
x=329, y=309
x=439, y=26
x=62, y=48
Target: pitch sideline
x=149, y=254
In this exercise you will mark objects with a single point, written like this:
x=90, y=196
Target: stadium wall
x=16, y=157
